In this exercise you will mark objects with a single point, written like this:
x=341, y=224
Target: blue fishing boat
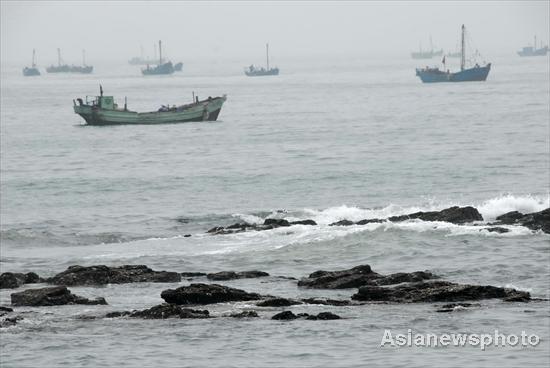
x=161, y=68
x=434, y=74
x=533, y=51
x=33, y=70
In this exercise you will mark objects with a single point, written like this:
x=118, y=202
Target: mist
x=218, y=31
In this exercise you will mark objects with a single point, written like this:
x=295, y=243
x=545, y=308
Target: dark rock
x=285, y=316
x=456, y=306
x=369, y=221
x=245, y=314
x=342, y=223
x=537, y=221
x=166, y=310
x=239, y=226
x=101, y=275
x=215, y=229
x=192, y=274
x=359, y=276
x=334, y=302
x=510, y=218
x=10, y=280
x=5, y=309
x=206, y=294
x=288, y=316
x=117, y=314
x=327, y=316
x=277, y=302
x=57, y=295
x=187, y=236
x=435, y=291
x=276, y=222
x=497, y=229
x=303, y=222
x=9, y=321
x=455, y=215
x=231, y=275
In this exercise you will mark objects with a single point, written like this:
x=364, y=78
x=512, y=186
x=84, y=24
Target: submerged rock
x=268, y=224
x=162, y=311
x=359, y=276
x=10, y=280
x=231, y=275
x=334, y=302
x=437, y=291
x=277, y=302
x=206, y=294
x=456, y=306
x=497, y=229
x=342, y=223
x=288, y=316
x=101, y=275
x=57, y=295
x=245, y=314
x=192, y=274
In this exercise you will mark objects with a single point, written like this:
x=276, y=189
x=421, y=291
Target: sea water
x=331, y=140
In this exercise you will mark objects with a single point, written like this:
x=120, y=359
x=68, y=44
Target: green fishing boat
x=102, y=110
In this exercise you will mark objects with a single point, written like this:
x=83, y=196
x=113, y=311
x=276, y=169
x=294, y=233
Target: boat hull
x=262, y=73
x=207, y=110
x=31, y=72
x=476, y=74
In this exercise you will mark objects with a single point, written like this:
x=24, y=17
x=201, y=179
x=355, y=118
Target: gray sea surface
x=326, y=140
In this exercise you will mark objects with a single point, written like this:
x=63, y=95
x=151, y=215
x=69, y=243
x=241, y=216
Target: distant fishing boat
x=253, y=71
x=477, y=73
x=84, y=69
x=102, y=110
x=426, y=54
x=141, y=60
x=60, y=68
x=33, y=70
x=533, y=51
x=161, y=68
x=178, y=67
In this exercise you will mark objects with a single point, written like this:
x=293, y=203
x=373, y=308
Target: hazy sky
x=114, y=30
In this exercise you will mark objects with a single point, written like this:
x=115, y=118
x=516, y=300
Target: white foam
x=495, y=207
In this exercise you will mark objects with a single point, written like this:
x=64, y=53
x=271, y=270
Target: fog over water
x=214, y=31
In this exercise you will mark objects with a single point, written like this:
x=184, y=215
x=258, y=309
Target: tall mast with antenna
x=462, y=51
x=535, y=44
x=33, y=54
x=160, y=53
x=58, y=56
x=267, y=54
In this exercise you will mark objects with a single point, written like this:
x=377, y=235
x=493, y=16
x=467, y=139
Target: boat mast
x=160, y=53
x=33, y=63
x=535, y=44
x=462, y=51
x=267, y=54
x=58, y=56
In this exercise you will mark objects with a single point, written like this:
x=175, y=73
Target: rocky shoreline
x=536, y=221
x=181, y=302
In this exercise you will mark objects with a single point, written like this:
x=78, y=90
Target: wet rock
x=166, y=310
x=277, y=302
x=359, y=276
x=285, y=316
x=206, y=294
x=276, y=222
x=324, y=316
x=232, y=275
x=456, y=306
x=5, y=309
x=537, y=221
x=497, y=229
x=187, y=236
x=369, y=221
x=101, y=275
x=436, y=291
x=510, y=218
x=455, y=215
x=303, y=222
x=117, y=314
x=9, y=321
x=192, y=274
x=342, y=223
x=244, y=314
x=288, y=316
x=333, y=302
x=11, y=280
x=57, y=295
